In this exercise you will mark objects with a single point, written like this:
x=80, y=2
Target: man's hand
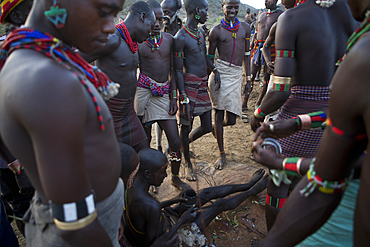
x=256, y=123
x=266, y=157
x=217, y=80
x=163, y=242
x=276, y=129
x=24, y=183
x=270, y=67
x=189, y=215
x=173, y=107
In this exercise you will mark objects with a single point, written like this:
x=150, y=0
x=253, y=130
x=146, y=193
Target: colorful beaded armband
x=292, y=165
x=258, y=113
x=184, y=99
x=340, y=132
x=179, y=54
x=284, y=53
x=15, y=167
x=281, y=84
x=248, y=78
x=275, y=202
x=173, y=95
x=311, y=121
x=326, y=187
x=266, y=46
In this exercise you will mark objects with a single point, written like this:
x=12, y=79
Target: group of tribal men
x=56, y=121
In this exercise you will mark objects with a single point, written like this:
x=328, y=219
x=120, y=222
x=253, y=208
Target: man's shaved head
x=141, y=7
x=154, y=4
x=151, y=159
x=191, y=5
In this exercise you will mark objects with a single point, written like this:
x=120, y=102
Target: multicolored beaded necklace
x=27, y=38
x=154, y=42
x=364, y=27
x=269, y=11
x=194, y=33
x=232, y=27
x=298, y=2
x=121, y=27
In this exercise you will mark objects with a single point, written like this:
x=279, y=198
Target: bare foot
x=257, y=175
x=153, y=189
x=220, y=163
x=190, y=176
x=176, y=181
x=260, y=186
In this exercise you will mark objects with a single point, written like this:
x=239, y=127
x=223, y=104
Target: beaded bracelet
x=15, y=167
x=249, y=78
x=184, y=99
x=292, y=165
x=258, y=113
x=326, y=187
x=210, y=56
x=173, y=95
x=179, y=54
x=311, y=121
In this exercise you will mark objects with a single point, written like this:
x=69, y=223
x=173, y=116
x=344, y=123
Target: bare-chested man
x=54, y=121
x=156, y=94
x=172, y=24
x=298, y=68
x=190, y=55
x=342, y=143
x=171, y=10
x=119, y=59
x=16, y=188
x=145, y=214
x=231, y=38
x=248, y=17
x=264, y=22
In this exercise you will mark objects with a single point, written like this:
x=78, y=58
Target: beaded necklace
x=269, y=11
x=121, y=27
x=154, y=42
x=364, y=27
x=298, y=2
x=325, y=3
x=194, y=33
x=27, y=38
x=234, y=29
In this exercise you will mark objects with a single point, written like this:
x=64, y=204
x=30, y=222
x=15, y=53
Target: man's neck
x=230, y=19
x=273, y=8
x=192, y=22
x=142, y=183
x=130, y=25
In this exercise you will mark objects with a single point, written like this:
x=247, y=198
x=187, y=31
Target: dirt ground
x=245, y=224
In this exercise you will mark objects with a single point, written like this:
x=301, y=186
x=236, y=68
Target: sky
x=258, y=4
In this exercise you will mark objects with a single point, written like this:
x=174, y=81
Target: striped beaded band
x=210, y=56
x=326, y=187
x=179, y=54
x=258, y=113
x=173, y=95
x=317, y=120
x=284, y=53
x=291, y=166
x=275, y=202
x=281, y=84
x=340, y=132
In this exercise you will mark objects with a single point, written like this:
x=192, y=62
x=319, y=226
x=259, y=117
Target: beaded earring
x=197, y=17
x=56, y=15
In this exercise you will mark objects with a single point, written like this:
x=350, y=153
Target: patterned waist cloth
x=145, y=82
x=303, y=99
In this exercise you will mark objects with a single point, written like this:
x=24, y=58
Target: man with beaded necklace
x=231, y=37
x=264, y=22
x=156, y=94
x=190, y=54
x=59, y=127
x=119, y=59
x=301, y=81
x=171, y=10
x=343, y=143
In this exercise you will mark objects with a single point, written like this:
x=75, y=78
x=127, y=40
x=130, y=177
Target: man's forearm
x=301, y=216
x=180, y=81
x=273, y=101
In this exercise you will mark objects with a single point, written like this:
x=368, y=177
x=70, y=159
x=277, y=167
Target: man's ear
x=16, y=17
x=147, y=174
x=142, y=17
x=197, y=11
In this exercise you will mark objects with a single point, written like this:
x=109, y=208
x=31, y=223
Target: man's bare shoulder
x=146, y=205
x=39, y=80
x=168, y=36
x=246, y=26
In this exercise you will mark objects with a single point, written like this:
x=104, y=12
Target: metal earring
x=56, y=15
